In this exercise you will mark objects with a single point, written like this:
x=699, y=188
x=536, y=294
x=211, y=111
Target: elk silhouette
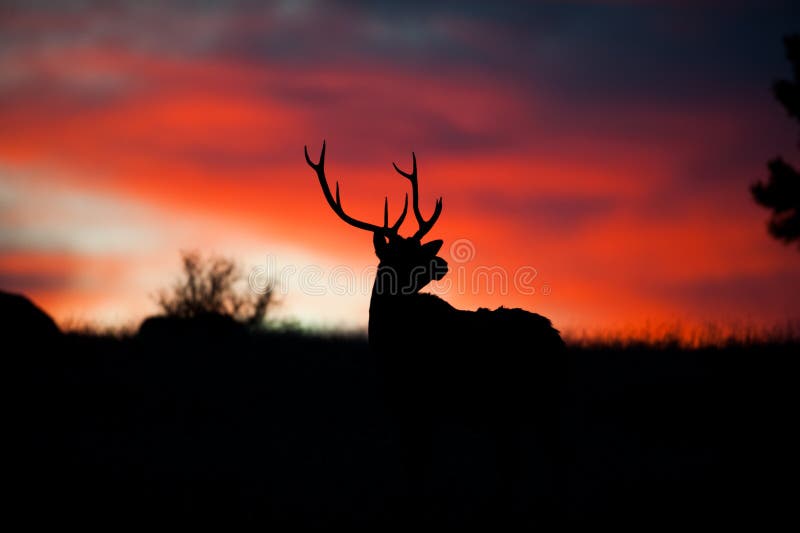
x=497, y=369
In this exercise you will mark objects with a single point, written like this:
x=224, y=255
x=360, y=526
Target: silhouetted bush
x=196, y=330
x=213, y=286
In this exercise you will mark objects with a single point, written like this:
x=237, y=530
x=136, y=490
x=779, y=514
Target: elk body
x=497, y=370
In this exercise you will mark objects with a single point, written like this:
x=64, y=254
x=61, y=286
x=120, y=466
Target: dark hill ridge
x=283, y=429
x=23, y=320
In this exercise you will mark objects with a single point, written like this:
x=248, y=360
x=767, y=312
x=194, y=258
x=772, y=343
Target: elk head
x=406, y=264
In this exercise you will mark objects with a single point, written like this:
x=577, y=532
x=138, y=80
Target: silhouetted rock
x=22, y=321
x=203, y=327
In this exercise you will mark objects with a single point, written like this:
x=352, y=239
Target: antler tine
x=413, y=175
x=400, y=220
x=336, y=203
x=321, y=163
x=424, y=225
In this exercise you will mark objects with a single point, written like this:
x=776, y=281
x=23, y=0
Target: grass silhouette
x=288, y=429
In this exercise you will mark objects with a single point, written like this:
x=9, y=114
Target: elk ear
x=432, y=248
x=379, y=241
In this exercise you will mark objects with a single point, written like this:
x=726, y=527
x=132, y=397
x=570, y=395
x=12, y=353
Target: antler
x=336, y=204
x=424, y=225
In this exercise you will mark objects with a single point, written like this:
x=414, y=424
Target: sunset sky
x=605, y=146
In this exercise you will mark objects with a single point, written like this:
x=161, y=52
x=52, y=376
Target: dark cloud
x=718, y=295
x=586, y=53
x=557, y=212
x=32, y=282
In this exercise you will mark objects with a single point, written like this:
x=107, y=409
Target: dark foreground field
x=290, y=430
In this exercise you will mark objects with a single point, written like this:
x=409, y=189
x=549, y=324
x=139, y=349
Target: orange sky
x=610, y=161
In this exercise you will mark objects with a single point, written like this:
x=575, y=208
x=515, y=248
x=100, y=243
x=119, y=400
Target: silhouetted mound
x=21, y=320
x=200, y=328
x=514, y=325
